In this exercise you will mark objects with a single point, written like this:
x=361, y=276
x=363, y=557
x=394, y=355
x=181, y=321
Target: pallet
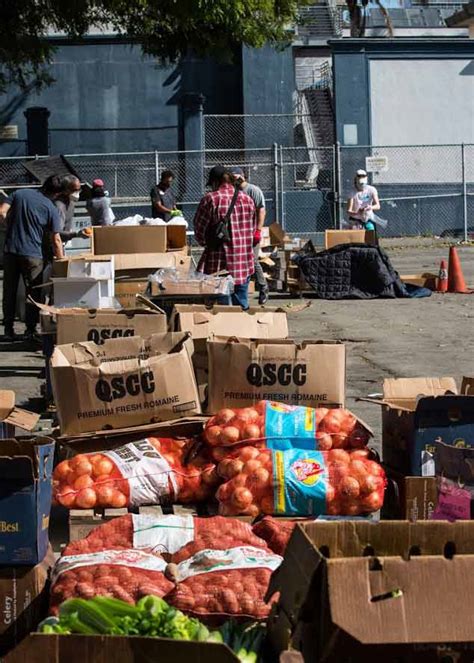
x=83, y=521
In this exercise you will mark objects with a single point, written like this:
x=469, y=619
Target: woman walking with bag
x=225, y=224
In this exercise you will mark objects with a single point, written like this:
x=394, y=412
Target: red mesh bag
x=300, y=482
x=330, y=429
x=276, y=532
x=149, y=471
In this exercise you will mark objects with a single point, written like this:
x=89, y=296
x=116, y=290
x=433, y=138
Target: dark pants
x=31, y=269
x=259, y=275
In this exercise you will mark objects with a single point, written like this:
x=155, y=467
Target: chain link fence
x=424, y=189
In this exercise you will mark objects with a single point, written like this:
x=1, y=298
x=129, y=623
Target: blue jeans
x=240, y=297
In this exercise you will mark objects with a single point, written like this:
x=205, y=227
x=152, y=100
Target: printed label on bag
x=165, y=534
x=291, y=421
x=300, y=478
x=148, y=473
x=131, y=558
x=245, y=557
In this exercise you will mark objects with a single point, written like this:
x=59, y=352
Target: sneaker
x=263, y=297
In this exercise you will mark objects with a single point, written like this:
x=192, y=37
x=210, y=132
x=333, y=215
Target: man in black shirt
x=163, y=200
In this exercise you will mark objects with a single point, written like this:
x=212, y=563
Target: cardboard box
x=126, y=291
x=336, y=237
x=277, y=235
x=98, y=325
x=400, y=398
x=26, y=467
x=185, y=285
x=355, y=591
x=425, y=280
x=24, y=600
x=129, y=264
x=12, y=417
x=184, y=427
x=446, y=419
x=409, y=498
x=124, y=382
x=39, y=648
x=243, y=371
x=201, y=321
x=137, y=239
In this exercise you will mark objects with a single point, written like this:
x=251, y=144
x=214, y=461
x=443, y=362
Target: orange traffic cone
x=442, y=284
x=456, y=282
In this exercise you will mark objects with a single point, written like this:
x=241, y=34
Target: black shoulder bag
x=219, y=233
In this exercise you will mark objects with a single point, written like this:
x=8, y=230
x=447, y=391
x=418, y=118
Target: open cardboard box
x=123, y=382
x=409, y=498
x=137, y=239
x=425, y=280
x=245, y=371
x=185, y=427
x=204, y=321
x=98, y=325
x=12, y=417
x=401, y=397
x=129, y=265
x=40, y=648
x=391, y=591
x=336, y=237
x=26, y=467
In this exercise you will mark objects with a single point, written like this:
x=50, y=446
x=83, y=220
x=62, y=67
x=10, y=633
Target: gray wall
x=106, y=85
x=402, y=91
x=268, y=83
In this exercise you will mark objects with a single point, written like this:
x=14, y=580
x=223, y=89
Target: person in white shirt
x=363, y=202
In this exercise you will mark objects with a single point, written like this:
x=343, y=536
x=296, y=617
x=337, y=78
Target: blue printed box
x=26, y=466
x=447, y=419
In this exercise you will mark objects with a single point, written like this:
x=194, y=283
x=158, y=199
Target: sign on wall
x=377, y=164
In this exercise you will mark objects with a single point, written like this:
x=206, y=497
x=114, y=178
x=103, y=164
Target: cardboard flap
x=455, y=462
x=22, y=419
x=185, y=427
x=15, y=416
x=389, y=537
x=467, y=386
x=7, y=403
x=389, y=601
x=444, y=411
x=402, y=389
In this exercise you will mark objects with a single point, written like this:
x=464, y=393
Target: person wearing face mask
x=66, y=201
x=363, y=202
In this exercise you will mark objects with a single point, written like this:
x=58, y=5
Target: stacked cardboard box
x=277, y=250
x=26, y=466
x=417, y=415
x=136, y=251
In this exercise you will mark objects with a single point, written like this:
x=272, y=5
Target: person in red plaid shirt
x=235, y=256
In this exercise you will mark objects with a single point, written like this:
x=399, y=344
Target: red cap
x=98, y=182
